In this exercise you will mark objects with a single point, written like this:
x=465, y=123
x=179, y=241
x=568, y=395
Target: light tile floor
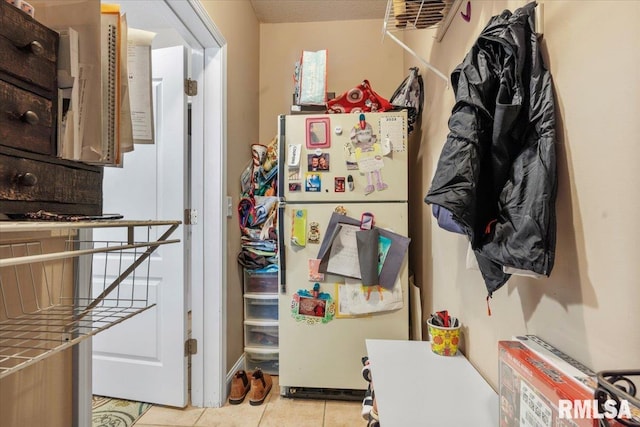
x=276, y=411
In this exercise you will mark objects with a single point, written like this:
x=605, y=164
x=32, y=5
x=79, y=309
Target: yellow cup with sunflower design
x=444, y=341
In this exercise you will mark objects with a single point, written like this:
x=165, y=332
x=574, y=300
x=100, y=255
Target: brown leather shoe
x=240, y=385
x=261, y=384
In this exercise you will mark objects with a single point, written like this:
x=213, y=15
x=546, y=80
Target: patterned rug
x=108, y=412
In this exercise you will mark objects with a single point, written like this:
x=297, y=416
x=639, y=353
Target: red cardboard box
x=583, y=375
x=566, y=364
x=535, y=393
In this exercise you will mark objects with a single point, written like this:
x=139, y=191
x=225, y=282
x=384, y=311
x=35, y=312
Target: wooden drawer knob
x=30, y=117
x=26, y=179
x=35, y=47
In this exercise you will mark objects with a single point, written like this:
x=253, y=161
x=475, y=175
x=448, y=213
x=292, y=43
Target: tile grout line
x=263, y=411
x=324, y=413
x=201, y=415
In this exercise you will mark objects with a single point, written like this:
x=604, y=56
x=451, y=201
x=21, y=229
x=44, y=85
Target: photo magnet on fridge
x=295, y=186
x=318, y=162
x=312, y=306
x=312, y=182
x=318, y=133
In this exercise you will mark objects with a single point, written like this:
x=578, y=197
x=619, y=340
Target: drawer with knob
x=30, y=182
x=28, y=82
x=26, y=120
x=28, y=50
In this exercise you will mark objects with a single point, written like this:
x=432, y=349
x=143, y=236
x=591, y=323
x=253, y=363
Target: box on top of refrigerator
x=535, y=393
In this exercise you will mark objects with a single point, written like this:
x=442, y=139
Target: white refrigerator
x=355, y=165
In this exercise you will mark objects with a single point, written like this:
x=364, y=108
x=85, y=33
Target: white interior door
x=143, y=358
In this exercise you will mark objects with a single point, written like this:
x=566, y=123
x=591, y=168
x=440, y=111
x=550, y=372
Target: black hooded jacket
x=497, y=170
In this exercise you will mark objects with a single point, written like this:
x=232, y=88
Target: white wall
x=356, y=52
x=589, y=305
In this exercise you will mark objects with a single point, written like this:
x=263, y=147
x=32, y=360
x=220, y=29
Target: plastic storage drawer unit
x=265, y=359
x=259, y=333
x=260, y=307
x=260, y=282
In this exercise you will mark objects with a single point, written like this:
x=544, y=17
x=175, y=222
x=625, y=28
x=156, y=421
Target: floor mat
x=108, y=412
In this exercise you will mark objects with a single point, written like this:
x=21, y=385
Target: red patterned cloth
x=361, y=98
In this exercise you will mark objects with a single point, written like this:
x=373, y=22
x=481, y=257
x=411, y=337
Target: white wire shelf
x=44, y=309
x=416, y=14
x=403, y=15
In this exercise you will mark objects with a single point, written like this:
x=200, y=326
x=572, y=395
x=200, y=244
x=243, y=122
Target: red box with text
x=535, y=393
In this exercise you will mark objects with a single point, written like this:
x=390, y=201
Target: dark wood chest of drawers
x=31, y=176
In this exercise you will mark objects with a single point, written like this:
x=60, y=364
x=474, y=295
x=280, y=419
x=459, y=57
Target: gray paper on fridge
x=371, y=273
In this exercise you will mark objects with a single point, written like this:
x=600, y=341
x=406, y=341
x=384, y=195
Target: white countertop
x=416, y=387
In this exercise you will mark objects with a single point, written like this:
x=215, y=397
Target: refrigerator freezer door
x=350, y=160
x=328, y=355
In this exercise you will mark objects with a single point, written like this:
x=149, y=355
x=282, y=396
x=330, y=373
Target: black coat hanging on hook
x=497, y=170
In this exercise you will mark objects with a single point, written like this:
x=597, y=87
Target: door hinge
x=190, y=346
x=190, y=87
x=190, y=216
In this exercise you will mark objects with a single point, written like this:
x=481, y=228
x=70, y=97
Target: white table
x=415, y=387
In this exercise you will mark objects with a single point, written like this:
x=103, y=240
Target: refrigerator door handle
x=283, y=152
x=282, y=202
x=281, y=250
